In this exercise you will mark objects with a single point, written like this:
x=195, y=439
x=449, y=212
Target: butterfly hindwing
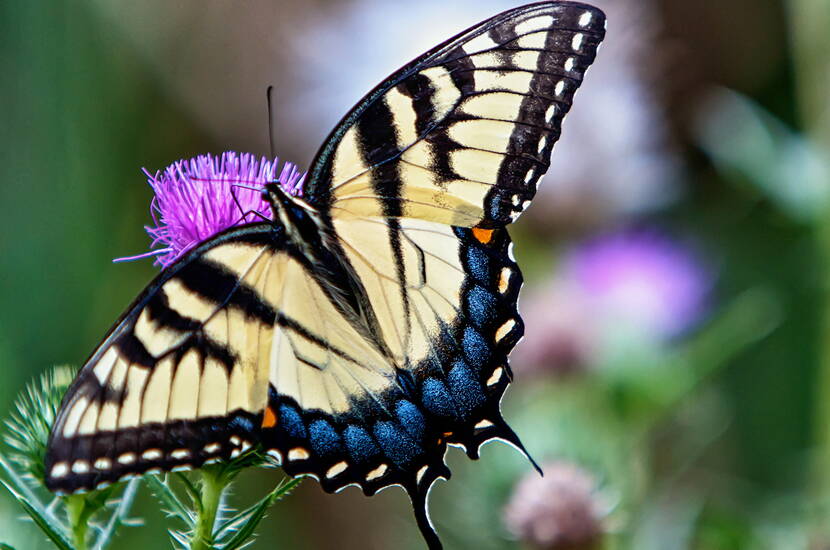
x=463, y=134
x=445, y=299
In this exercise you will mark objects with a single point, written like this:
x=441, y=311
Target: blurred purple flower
x=561, y=510
x=633, y=286
x=200, y=197
x=641, y=278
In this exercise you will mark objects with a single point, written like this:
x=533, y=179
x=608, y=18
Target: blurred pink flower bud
x=560, y=511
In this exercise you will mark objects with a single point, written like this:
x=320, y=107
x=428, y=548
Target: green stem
x=75, y=508
x=213, y=485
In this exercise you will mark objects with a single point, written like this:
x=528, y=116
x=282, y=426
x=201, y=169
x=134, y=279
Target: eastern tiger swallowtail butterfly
x=367, y=327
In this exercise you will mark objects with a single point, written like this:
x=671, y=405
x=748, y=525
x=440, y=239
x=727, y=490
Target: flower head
x=641, y=279
x=559, y=511
x=200, y=197
x=634, y=286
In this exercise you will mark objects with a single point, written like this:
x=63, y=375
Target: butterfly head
x=299, y=219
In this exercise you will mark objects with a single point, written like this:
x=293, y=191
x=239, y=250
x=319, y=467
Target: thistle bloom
x=562, y=510
x=200, y=197
x=634, y=285
x=641, y=279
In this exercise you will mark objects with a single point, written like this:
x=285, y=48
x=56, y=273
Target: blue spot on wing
x=292, y=422
x=436, y=398
x=360, y=444
x=324, y=438
x=482, y=306
x=396, y=444
x=411, y=419
x=476, y=350
x=465, y=388
x=478, y=264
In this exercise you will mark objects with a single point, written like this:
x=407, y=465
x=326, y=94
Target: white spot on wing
x=80, y=467
x=337, y=469
x=569, y=64
x=560, y=88
x=577, y=41
x=550, y=113
x=483, y=424
x=298, y=453
x=179, y=454
x=103, y=464
x=151, y=454
x=504, y=279
x=585, y=19
x=495, y=377
x=60, y=469
x=377, y=472
x=126, y=458
x=505, y=329
x=211, y=448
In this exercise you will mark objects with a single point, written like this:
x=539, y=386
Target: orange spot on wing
x=269, y=419
x=483, y=235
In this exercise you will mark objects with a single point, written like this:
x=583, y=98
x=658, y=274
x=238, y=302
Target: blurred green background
x=675, y=378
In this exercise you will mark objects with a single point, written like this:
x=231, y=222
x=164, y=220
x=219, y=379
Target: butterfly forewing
x=462, y=135
x=182, y=378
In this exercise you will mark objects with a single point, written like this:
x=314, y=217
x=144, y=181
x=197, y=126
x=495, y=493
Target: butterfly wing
x=463, y=134
x=182, y=377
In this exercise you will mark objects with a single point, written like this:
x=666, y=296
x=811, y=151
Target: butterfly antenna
x=269, y=95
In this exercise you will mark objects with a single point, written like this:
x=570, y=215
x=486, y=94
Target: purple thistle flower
x=197, y=198
x=641, y=278
x=633, y=286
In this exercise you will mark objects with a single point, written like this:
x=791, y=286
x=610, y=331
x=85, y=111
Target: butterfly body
x=367, y=327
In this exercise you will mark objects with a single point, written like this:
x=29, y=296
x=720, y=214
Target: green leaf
x=243, y=524
x=118, y=515
x=21, y=491
x=744, y=140
x=41, y=518
x=4, y=546
x=173, y=506
x=192, y=490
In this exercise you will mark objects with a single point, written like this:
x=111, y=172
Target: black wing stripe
x=224, y=288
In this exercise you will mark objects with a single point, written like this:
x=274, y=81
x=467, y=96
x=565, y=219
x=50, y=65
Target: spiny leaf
x=245, y=523
x=14, y=481
x=173, y=506
x=40, y=517
x=118, y=516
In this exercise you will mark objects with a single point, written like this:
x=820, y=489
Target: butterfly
x=368, y=326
